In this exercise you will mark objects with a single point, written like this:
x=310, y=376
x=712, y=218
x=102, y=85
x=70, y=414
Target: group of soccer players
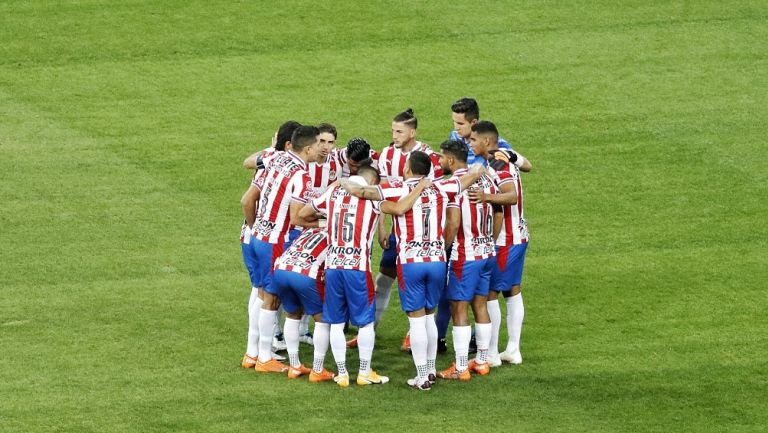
x=458, y=240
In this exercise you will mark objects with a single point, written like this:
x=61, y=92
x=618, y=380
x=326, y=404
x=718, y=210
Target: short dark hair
x=485, y=127
x=455, y=148
x=408, y=118
x=327, y=127
x=358, y=150
x=468, y=107
x=419, y=163
x=304, y=136
x=285, y=133
x=367, y=170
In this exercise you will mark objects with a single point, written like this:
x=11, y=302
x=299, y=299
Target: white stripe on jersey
x=474, y=240
x=286, y=180
x=351, y=228
x=306, y=255
x=325, y=173
x=392, y=162
x=514, y=229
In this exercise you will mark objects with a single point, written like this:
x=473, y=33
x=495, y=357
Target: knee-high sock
x=495, y=312
x=431, y=343
x=383, y=288
x=339, y=347
x=254, y=307
x=418, y=331
x=366, y=338
x=266, y=322
x=482, y=338
x=443, y=316
x=291, y=334
x=461, y=337
x=304, y=327
x=321, y=340
x=515, y=315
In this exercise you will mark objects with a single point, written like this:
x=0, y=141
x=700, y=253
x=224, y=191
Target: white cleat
x=278, y=357
x=306, y=339
x=494, y=361
x=512, y=357
x=278, y=344
x=422, y=384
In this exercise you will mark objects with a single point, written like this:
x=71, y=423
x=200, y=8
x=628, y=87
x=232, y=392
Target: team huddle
x=458, y=240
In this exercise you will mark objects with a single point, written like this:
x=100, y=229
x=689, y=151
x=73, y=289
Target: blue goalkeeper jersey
x=471, y=157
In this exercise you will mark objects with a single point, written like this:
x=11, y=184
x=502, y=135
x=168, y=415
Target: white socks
x=431, y=343
x=383, y=288
x=266, y=322
x=366, y=337
x=339, y=347
x=515, y=314
x=321, y=339
x=461, y=337
x=495, y=312
x=254, y=307
x=418, y=333
x=482, y=339
x=291, y=335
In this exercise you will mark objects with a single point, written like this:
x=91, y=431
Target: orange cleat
x=451, y=373
x=481, y=369
x=271, y=366
x=294, y=372
x=406, y=346
x=322, y=376
x=248, y=362
x=351, y=344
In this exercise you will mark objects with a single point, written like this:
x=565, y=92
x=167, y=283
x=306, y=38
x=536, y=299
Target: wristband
x=520, y=161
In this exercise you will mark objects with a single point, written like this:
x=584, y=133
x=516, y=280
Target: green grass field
x=122, y=131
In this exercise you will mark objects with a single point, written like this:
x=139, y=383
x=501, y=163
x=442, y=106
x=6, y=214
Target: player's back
x=351, y=227
x=284, y=180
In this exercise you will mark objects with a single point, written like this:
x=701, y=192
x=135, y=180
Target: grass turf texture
x=122, y=128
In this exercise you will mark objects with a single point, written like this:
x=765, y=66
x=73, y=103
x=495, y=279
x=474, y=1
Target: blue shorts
x=249, y=258
x=266, y=254
x=389, y=256
x=292, y=235
x=508, y=271
x=420, y=284
x=297, y=291
x=349, y=295
x=469, y=279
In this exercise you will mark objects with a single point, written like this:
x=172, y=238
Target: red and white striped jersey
x=345, y=171
x=474, y=239
x=514, y=229
x=285, y=180
x=420, y=231
x=351, y=228
x=325, y=173
x=392, y=162
x=306, y=255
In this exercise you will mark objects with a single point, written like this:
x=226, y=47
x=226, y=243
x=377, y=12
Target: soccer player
x=348, y=285
x=511, y=245
x=421, y=265
x=470, y=228
x=465, y=112
x=298, y=280
x=392, y=164
x=357, y=154
x=287, y=187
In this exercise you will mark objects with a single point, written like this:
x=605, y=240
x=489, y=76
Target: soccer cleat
x=342, y=380
x=480, y=368
x=420, y=384
x=442, y=347
x=278, y=357
x=322, y=376
x=278, y=343
x=511, y=357
x=248, y=361
x=406, y=346
x=432, y=377
x=451, y=373
x=271, y=366
x=371, y=378
x=306, y=339
x=472, y=344
x=494, y=361
x=352, y=343
x=294, y=372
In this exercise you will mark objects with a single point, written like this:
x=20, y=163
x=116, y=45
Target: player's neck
x=458, y=167
x=409, y=146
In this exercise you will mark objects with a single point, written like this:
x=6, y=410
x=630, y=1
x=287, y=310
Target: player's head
x=284, y=134
x=370, y=174
x=304, y=142
x=418, y=165
x=327, y=140
x=358, y=154
x=454, y=155
x=404, y=129
x=484, y=138
x=465, y=114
